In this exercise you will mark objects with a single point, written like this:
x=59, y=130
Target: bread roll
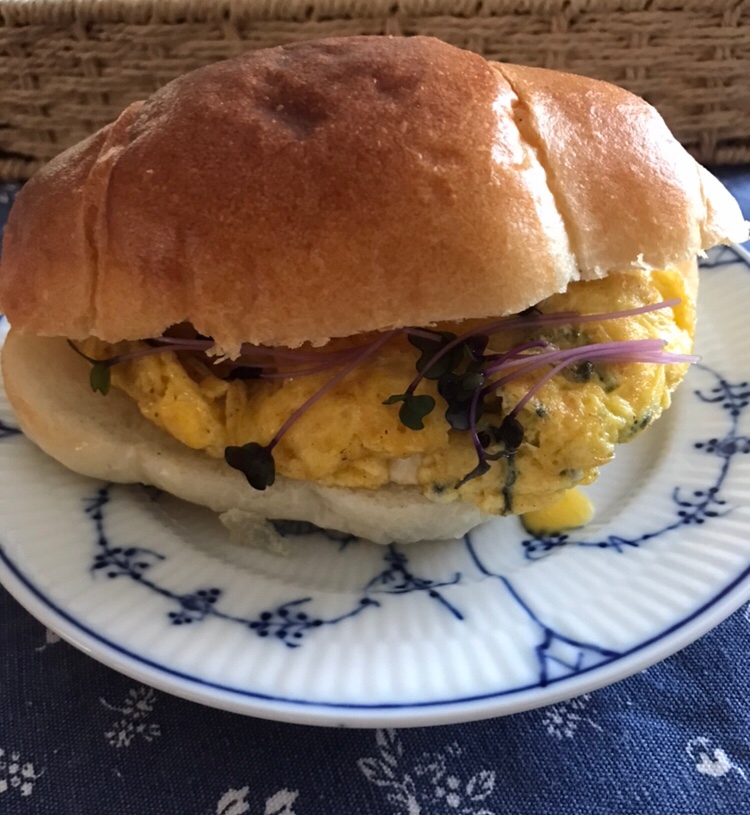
x=323, y=189
x=326, y=189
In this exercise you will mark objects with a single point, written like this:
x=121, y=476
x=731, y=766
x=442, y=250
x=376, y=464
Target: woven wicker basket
x=69, y=66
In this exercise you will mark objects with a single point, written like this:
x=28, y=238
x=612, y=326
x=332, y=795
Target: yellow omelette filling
x=349, y=438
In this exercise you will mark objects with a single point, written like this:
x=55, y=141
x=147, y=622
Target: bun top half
x=328, y=188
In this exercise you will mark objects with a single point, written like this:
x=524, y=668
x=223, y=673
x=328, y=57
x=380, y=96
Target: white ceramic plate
x=343, y=632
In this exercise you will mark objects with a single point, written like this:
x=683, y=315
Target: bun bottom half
x=107, y=438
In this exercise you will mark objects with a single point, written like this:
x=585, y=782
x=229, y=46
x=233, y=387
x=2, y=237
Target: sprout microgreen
x=510, y=433
x=475, y=347
x=484, y=438
x=458, y=391
x=429, y=364
x=245, y=373
x=482, y=467
x=99, y=378
x=81, y=354
x=460, y=387
x=457, y=414
x=255, y=461
x=413, y=410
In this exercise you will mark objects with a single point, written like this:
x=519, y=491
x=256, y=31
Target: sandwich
x=379, y=285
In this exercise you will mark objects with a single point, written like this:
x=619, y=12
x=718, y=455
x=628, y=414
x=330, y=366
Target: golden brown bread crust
x=328, y=188
x=628, y=192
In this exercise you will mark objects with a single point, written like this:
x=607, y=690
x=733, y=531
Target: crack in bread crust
x=523, y=116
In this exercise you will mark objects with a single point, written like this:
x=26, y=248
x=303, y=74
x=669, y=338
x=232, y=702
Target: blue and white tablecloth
x=78, y=739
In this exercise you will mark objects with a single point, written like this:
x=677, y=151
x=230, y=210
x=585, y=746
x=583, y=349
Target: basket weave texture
x=67, y=67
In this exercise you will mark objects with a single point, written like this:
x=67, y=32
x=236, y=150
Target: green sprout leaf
x=99, y=378
x=510, y=433
x=471, y=381
x=431, y=344
x=255, y=462
x=478, y=471
x=430, y=347
x=458, y=391
x=444, y=365
x=475, y=347
x=413, y=410
x=485, y=439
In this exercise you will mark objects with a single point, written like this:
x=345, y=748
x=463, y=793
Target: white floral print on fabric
x=234, y=802
x=50, y=638
x=15, y=775
x=710, y=760
x=137, y=707
x=563, y=720
x=430, y=784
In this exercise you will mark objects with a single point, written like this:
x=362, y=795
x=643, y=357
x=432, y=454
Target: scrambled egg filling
x=349, y=438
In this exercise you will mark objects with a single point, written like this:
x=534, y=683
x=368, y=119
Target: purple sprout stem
x=511, y=357
x=252, y=352
x=520, y=366
x=260, y=356
x=535, y=389
x=344, y=372
x=515, y=321
x=192, y=345
x=646, y=351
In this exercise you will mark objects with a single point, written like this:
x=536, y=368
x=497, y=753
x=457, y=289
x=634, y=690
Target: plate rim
x=382, y=714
